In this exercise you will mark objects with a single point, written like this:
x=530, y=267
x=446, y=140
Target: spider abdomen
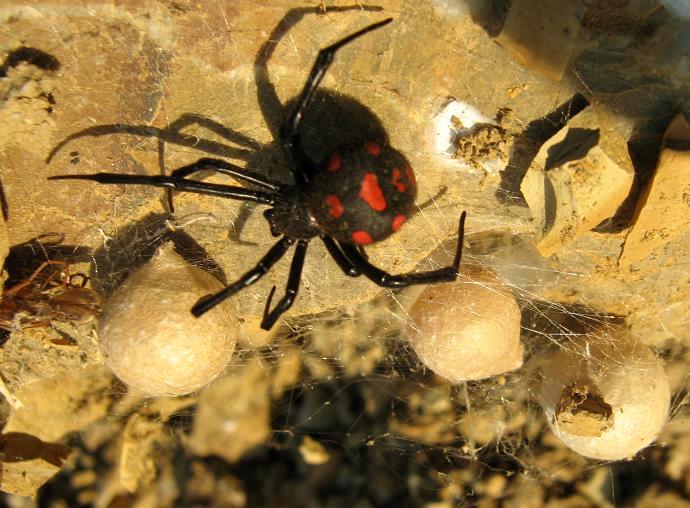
x=362, y=193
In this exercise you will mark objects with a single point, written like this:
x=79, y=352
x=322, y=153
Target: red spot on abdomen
x=334, y=163
x=373, y=148
x=362, y=237
x=398, y=221
x=410, y=175
x=371, y=193
x=397, y=180
x=335, y=206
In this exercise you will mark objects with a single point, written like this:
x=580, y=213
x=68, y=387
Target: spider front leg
x=179, y=184
x=223, y=167
x=290, y=135
x=220, y=166
x=269, y=102
x=385, y=279
x=262, y=267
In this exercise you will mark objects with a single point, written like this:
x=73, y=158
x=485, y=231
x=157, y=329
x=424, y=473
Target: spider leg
x=212, y=189
x=220, y=166
x=385, y=279
x=290, y=136
x=341, y=259
x=269, y=102
x=291, y=289
x=262, y=267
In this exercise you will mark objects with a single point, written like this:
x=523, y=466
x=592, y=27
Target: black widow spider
x=360, y=194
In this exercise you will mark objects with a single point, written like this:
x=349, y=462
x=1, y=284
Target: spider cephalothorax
x=361, y=193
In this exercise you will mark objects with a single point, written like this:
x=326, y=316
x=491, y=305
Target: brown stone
x=663, y=212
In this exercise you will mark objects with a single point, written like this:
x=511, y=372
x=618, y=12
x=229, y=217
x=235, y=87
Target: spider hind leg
x=274, y=255
x=291, y=289
x=384, y=279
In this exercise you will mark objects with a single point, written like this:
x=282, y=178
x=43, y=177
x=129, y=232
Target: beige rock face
x=28, y=463
x=542, y=35
x=70, y=400
x=185, y=73
x=578, y=178
x=664, y=207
